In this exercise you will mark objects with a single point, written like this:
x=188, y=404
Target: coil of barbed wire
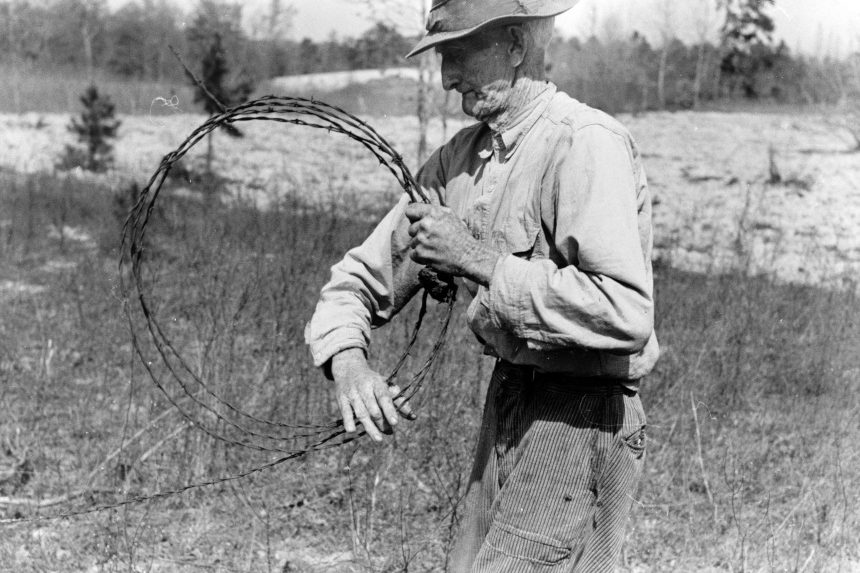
x=236, y=426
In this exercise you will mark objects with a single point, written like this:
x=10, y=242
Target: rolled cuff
x=506, y=292
x=334, y=342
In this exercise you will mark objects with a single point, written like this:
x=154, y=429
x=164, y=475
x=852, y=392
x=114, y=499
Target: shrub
x=94, y=128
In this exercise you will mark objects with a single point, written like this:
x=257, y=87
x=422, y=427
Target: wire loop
x=233, y=425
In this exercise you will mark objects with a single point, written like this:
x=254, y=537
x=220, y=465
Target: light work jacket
x=561, y=194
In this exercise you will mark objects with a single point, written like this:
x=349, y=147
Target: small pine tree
x=747, y=43
x=214, y=75
x=214, y=78
x=94, y=128
x=213, y=34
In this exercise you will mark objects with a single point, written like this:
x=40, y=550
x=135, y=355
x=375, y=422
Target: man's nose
x=450, y=75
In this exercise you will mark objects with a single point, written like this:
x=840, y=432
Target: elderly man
x=547, y=219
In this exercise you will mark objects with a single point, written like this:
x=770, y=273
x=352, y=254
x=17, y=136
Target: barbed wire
x=319, y=446
x=289, y=110
x=271, y=108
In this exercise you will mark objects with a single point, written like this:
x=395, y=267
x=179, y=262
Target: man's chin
x=475, y=108
x=476, y=112
x=469, y=105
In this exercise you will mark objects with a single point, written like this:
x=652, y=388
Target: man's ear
x=517, y=46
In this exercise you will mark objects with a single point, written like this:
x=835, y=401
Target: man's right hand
x=363, y=395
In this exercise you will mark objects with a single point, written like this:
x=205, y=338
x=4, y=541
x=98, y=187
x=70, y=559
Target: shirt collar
x=505, y=141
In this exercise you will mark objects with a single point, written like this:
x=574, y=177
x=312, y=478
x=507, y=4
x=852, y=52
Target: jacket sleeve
x=371, y=283
x=602, y=297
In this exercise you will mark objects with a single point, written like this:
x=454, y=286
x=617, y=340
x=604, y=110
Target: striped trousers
x=557, y=465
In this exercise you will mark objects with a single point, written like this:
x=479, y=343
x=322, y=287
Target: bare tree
x=74, y=28
x=592, y=20
x=612, y=29
x=666, y=28
x=849, y=103
x=409, y=17
x=272, y=25
x=11, y=44
x=705, y=23
x=273, y=22
x=88, y=16
x=87, y=33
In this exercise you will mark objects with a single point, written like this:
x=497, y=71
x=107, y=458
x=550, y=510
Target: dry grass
x=26, y=89
x=37, y=90
x=752, y=409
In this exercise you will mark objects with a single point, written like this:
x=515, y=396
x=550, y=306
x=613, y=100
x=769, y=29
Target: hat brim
x=432, y=39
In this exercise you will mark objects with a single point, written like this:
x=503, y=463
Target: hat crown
x=454, y=15
x=452, y=19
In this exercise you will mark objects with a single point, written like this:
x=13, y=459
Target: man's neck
x=523, y=93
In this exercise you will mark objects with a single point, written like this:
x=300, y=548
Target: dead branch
x=161, y=442
x=701, y=459
x=51, y=501
x=101, y=465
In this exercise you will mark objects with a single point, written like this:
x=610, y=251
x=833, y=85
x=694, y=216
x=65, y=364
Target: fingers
x=400, y=403
x=366, y=419
x=419, y=219
x=421, y=242
x=388, y=409
x=373, y=404
x=372, y=407
x=416, y=211
x=418, y=235
x=414, y=228
x=354, y=407
x=346, y=414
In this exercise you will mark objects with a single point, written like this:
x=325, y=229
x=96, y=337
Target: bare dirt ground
x=718, y=202
x=711, y=176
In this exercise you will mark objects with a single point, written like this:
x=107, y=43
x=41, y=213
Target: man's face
x=478, y=67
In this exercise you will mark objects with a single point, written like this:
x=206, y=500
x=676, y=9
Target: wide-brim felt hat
x=453, y=19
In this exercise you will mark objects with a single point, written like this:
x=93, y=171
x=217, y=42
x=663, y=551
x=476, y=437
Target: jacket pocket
x=518, y=236
x=526, y=546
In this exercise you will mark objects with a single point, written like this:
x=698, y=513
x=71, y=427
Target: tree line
x=132, y=41
x=628, y=73
x=734, y=57
x=625, y=75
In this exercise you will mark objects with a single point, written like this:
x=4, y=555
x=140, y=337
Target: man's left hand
x=442, y=241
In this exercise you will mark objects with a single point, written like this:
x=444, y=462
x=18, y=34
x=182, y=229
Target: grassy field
x=34, y=90
x=25, y=89
x=752, y=410
x=752, y=459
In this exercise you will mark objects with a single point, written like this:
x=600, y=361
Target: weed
x=752, y=408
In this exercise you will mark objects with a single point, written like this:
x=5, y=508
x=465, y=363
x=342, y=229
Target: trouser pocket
x=527, y=546
x=633, y=433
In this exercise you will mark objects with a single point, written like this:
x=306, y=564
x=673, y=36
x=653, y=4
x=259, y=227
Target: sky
x=815, y=27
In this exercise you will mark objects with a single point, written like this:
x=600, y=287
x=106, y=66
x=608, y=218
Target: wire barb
x=197, y=80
